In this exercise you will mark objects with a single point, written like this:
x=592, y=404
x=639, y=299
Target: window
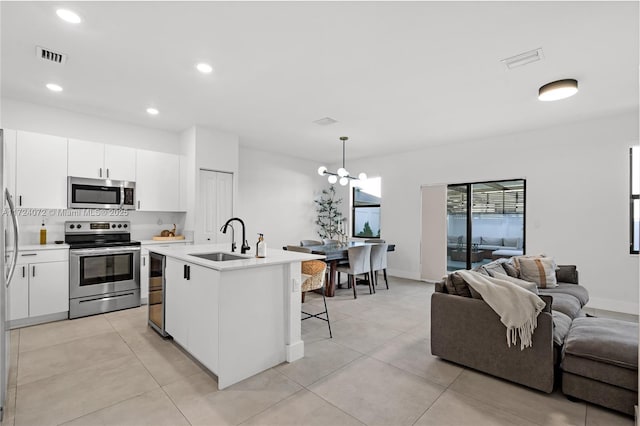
x=366, y=208
x=634, y=202
x=485, y=221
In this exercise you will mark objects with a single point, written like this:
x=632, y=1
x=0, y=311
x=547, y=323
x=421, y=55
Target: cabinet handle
x=100, y=171
x=107, y=173
x=23, y=271
x=144, y=261
x=34, y=270
x=29, y=254
x=138, y=204
x=188, y=273
x=20, y=200
x=184, y=272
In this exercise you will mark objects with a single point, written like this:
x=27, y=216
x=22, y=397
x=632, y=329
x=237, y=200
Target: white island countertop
x=274, y=256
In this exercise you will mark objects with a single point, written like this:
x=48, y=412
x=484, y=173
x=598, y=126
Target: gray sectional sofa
x=489, y=245
x=467, y=331
x=595, y=358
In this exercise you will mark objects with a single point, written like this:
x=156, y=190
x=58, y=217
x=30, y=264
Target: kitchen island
x=237, y=317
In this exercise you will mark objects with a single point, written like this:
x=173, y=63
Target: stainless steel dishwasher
x=157, y=292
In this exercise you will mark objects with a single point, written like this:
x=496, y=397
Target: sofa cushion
x=605, y=340
x=539, y=269
x=512, y=242
x=561, y=325
x=567, y=274
x=575, y=290
x=491, y=241
x=565, y=303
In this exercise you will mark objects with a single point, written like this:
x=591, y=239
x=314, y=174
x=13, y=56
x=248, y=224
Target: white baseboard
x=295, y=351
x=403, y=274
x=613, y=305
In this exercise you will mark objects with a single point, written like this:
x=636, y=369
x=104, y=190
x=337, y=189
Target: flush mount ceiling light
x=204, y=68
x=69, y=16
x=152, y=111
x=557, y=90
x=54, y=87
x=341, y=173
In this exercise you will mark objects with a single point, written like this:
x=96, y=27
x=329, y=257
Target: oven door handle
x=107, y=250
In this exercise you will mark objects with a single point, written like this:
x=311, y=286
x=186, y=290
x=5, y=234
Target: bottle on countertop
x=261, y=247
x=43, y=233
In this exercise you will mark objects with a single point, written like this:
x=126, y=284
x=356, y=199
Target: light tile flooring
x=113, y=370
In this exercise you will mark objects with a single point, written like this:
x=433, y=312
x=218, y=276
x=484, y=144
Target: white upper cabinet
x=120, y=162
x=157, y=181
x=101, y=161
x=9, y=170
x=41, y=170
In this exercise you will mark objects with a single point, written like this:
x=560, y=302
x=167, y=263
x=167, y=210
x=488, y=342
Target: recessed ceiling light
x=204, y=68
x=557, y=90
x=152, y=111
x=69, y=16
x=54, y=87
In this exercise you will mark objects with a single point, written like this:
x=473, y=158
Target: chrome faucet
x=245, y=245
x=233, y=236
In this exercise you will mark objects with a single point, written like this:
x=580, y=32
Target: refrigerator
x=8, y=258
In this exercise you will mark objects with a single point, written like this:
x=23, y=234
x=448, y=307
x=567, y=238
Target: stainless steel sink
x=218, y=256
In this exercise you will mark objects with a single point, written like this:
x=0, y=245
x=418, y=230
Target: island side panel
x=293, y=300
x=252, y=321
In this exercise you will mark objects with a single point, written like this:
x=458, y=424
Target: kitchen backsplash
x=144, y=225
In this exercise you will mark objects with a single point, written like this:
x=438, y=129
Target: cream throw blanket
x=518, y=308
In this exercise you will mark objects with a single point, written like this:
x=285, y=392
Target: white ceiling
x=396, y=76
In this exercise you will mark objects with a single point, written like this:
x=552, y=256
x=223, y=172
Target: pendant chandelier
x=341, y=173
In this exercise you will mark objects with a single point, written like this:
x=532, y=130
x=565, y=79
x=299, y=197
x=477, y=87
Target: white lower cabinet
x=191, y=309
x=40, y=284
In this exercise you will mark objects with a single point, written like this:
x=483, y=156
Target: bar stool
x=313, y=274
x=359, y=263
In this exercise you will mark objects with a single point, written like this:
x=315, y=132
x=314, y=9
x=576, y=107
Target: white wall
x=20, y=115
x=276, y=196
x=577, y=197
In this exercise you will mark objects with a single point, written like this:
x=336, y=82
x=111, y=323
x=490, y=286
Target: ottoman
x=600, y=363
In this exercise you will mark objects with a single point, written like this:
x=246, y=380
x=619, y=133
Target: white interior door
x=216, y=206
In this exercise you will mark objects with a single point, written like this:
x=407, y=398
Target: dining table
x=335, y=253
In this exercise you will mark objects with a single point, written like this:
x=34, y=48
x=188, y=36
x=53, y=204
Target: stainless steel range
x=104, y=272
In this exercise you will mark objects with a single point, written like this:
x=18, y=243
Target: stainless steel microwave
x=83, y=193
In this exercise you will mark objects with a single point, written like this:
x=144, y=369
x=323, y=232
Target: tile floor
x=377, y=370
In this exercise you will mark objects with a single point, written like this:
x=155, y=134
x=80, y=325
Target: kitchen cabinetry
x=41, y=170
x=40, y=285
x=158, y=181
x=191, y=309
x=101, y=161
x=9, y=170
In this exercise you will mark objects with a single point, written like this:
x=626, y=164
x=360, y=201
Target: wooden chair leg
x=352, y=279
x=303, y=293
x=384, y=271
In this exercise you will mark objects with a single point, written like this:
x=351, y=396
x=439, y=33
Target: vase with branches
x=329, y=220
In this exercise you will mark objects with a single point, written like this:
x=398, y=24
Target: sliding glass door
x=485, y=221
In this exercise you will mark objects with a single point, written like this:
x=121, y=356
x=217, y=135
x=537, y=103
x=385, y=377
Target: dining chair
x=305, y=243
x=330, y=241
x=313, y=274
x=378, y=241
x=359, y=263
x=379, y=263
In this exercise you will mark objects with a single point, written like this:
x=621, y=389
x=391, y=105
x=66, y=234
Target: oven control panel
x=85, y=227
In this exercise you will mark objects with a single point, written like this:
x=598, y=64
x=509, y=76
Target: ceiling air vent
x=49, y=55
x=325, y=121
x=523, y=58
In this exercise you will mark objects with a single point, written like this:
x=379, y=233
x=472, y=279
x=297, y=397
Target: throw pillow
x=540, y=270
x=461, y=287
x=527, y=285
x=494, y=267
x=510, y=268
